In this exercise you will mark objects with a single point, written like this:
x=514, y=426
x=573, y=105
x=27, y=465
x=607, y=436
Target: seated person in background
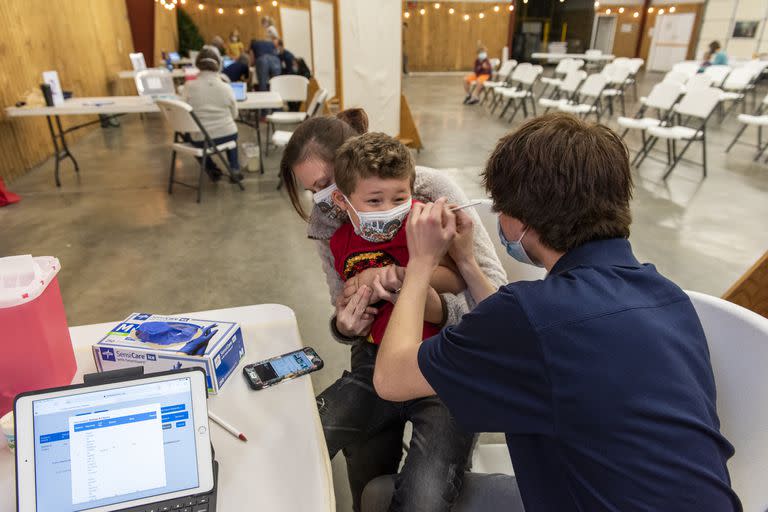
x=714, y=57
x=214, y=104
x=235, y=46
x=239, y=70
x=287, y=59
x=374, y=176
x=265, y=59
x=473, y=82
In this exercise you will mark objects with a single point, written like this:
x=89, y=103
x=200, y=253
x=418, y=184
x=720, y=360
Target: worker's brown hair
x=568, y=180
x=372, y=154
x=318, y=138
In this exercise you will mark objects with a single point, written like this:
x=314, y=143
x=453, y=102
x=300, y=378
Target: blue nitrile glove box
x=160, y=343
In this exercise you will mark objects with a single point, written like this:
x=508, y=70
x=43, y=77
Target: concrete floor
x=126, y=245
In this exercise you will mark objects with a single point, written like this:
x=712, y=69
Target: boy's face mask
x=324, y=202
x=482, y=55
x=380, y=226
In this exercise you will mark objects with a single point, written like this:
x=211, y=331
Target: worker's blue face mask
x=516, y=249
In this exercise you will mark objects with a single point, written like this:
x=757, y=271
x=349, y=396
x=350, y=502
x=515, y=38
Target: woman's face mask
x=380, y=226
x=324, y=202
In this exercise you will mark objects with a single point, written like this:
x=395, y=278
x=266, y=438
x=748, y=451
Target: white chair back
x=740, y=78
x=532, y=75
x=717, y=73
x=290, y=87
x=757, y=65
x=699, y=102
x=563, y=66
x=593, y=53
x=635, y=64
x=179, y=115
x=515, y=270
x=137, y=61
x=593, y=86
x=664, y=95
x=699, y=81
x=495, y=63
x=621, y=61
x=506, y=69
x=738, y=349
x=676, y=76
x=521, y=71
x=688, y=67
x=616, y=73
x=573, y=80
x=154, y=83
x=318, y=100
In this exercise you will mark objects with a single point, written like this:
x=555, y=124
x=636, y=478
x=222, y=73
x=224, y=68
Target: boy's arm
x=446, y=278
x=434, y=308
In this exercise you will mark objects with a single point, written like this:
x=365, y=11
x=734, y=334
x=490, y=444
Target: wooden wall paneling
x=625, y=43
x=439, y=41
x=698, y=9
x=751, y=290
x=211, y=23
x=86, y=41
x=166, y=32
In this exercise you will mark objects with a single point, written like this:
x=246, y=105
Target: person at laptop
x=238, y=71
x=214, y=104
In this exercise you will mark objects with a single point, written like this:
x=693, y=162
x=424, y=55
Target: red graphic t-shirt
x=352, y=254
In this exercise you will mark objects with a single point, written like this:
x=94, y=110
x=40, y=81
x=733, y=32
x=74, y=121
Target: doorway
x=603, y=32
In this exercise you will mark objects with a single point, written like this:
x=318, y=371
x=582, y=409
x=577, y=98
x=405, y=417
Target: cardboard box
x=160, y=343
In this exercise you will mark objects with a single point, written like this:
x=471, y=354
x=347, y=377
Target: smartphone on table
x=277, y=369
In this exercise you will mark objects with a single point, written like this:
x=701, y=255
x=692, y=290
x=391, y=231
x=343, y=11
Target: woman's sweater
x=213, y=102
x=430, y=185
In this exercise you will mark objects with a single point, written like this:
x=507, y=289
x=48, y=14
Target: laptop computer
x=174, y=57
x=226, y=62
x=239, y=89
x=135, y=445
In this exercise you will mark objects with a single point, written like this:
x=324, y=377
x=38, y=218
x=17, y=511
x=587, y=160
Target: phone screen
x=287, y=364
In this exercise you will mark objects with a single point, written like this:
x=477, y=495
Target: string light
x=561, y=1
x=597, y=4
x=220, y=10
x=451, y=10
x=274, y=3
x=661, y=11
x=466, y=17
x=422, y=11
x=406, y=14
x=200, y=6
x=481, y=15
x=650, y=10
x=635, y=14
x=621, y=10
x=183, y=2
x=672, y=9
x=511, y=7
x=437, y=5
x=258, y=8
x=525, y=1
x=607, y=11
x=240, y=11
x=495, y=8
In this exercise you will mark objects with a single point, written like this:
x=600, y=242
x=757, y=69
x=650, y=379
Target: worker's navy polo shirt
x=600, y=377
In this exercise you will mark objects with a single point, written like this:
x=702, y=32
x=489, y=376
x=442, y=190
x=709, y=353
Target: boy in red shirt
x=374, y=176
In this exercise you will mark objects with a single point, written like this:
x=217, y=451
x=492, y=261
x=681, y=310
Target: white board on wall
x=296, y=34
x=671, y=37
x=371, y=60
x=323, y=42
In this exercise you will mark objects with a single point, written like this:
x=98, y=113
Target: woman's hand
x=462, y=248
x=353, y=316
x=431, y=228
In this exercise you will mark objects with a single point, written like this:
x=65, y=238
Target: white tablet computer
x=113, y=446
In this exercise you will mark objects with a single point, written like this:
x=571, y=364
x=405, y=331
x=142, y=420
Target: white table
x=583, y=56
x=284, y=466
x=119, y=105
x=129, y=74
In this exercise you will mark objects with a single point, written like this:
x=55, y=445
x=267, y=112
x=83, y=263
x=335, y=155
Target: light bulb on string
x=481, y=15
x=437, y=5
x=621, y=10
x=597, y=4
x=672, y=9
x=258, y=8
x=183, y=2
x=495, y=8
x=274, y=3
x=406, y=14
x=607, y=11
x=525, y=1
x=200, y=6
x=241, y=11
x=220, y=10
x=422, y=11
x=636, y=14
x=466, y=17
x=511, y=7
x=650, y=10
x=661, y=11
x=451, y=10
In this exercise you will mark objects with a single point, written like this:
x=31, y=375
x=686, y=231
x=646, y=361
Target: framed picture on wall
x=745, y=29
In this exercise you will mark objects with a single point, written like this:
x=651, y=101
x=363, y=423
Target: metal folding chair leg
x=738, y=134
x=676, y=160
x=203, y=163
x=645, y=151
x=172, y=174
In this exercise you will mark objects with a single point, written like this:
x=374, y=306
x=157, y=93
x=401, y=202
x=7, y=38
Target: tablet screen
x=239, y=89
x=111, y=446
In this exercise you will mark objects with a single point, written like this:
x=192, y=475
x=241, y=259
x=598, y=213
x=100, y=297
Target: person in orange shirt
x=473, y=82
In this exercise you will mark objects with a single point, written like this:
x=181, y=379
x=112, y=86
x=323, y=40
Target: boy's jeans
x=369, y=430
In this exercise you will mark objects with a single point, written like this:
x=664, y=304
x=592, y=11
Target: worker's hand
x=391, y=278
x=462, y=247
x=431, y=228
x=386, y=285
x=353, y=316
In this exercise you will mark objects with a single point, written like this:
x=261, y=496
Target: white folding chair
x=634, y=65
x=156, y=83
x=738, y=349
x=718, y=73
x=563, y=67
x=758, y=119
x=564, y=93
x=737, y=85
x=587, y=99
x=699, y=81
x=688, y=67
x=617, y=75
x=183, y=122
x=515, y=270
x=592, y=58
x=676, y=76
x=502, y=76
x=663, y=97
x=696, y=105
x=290, y=88
x=519, y=71
x=281, y=137
x=523, y=93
